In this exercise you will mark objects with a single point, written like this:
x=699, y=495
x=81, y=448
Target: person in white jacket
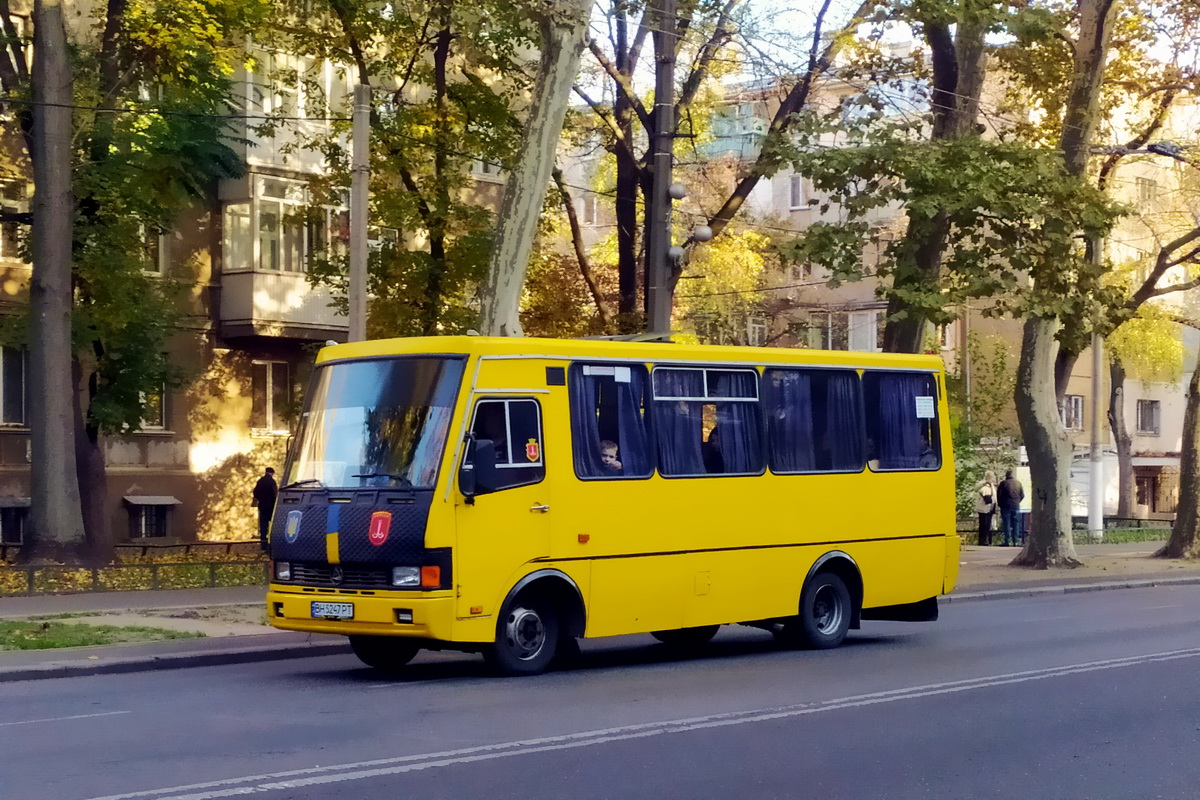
x=985, y=506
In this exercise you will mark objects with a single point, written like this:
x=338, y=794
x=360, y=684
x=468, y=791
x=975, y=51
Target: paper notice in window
x=925, y=408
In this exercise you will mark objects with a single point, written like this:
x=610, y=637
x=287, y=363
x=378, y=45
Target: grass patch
x=49, y=635
x=1124, y=535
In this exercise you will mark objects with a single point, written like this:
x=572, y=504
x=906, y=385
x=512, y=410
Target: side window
x=706, y=422
x=814, y=420
x=609, y=434
x=902, y=424
x=515, y=429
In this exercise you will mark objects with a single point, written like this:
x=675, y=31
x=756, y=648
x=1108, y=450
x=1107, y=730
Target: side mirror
x=479, y=476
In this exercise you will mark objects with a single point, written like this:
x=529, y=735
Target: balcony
x=283, y=304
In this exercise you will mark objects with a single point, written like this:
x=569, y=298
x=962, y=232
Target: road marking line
x=1156, y=608
x=295, y=779
x=63, y=719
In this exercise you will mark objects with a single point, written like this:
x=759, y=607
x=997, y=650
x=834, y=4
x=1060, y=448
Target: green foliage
x=723, y=292
x=1016, y=220
x=448, y=76
x=50, y=634
x=1148, y=346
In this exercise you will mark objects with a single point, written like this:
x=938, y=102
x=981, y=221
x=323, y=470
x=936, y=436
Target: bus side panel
x=899, y=571
x=635, y=595
x=744, y=585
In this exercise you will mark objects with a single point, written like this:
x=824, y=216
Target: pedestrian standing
x=985, y=506
x=264, y=500
x=1009, y=495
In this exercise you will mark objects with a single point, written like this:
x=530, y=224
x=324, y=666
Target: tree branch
x=624, y=85
x=796, y=98
x=585, y=267
x=719, y=37
x=608, y=121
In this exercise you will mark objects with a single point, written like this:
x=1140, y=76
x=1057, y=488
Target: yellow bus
x=510, y=496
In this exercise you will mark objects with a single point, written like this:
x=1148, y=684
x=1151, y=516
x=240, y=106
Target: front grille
x=351, y=577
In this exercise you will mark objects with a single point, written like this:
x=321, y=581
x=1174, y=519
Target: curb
x=153, y=663
x=1035, y=591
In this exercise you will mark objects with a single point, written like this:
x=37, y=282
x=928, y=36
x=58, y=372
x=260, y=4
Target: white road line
x=63, y=719
x=294, y=779
x=1157, y=608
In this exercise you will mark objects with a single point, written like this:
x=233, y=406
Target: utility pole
x=359, y=183
x=658, y=230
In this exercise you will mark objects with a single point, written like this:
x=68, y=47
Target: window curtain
x=740, y=437
x=899, y=428
x=633, y=438
x=843, y=417
x=677, y=423
x=788, y=398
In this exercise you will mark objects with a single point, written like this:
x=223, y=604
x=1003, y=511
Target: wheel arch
x=562, y=590
x=845, y=567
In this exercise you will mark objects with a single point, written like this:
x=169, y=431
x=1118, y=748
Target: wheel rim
x=525, y=633
x=827, y=610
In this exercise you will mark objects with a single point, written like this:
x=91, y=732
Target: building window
x=864, y=331
x=154, y=409
x=489, y=170
x=1148, y=417
x=797, y=197
x=281, y=228
x=589, y=208
x=148, y=521
x=12, y=386
x=13, y=521
x=1072, y=412
x=1147, y=189
x=271, y=396
x=756, y=332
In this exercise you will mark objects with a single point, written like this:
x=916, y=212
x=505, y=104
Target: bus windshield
x=377, y=423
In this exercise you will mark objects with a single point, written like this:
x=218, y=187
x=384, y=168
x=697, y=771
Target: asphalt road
x=1071, y=696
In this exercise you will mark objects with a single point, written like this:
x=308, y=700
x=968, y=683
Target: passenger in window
x=928, y=458
x=714, y=462
x=608, y=458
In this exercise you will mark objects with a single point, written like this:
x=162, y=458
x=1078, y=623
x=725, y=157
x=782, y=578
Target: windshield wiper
x=305, y=482
x=405, y=483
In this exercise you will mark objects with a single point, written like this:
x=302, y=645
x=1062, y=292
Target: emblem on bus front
x=335, y=576
x=531, y=450
x=292, y=531
x=381, y=526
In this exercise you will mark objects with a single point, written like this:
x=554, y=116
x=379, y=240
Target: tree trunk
x=1049, y=448
x=563, y=28
x=1116, y=421
x=56, y=529
x=93, y=476
x=625, y=204
x=1185, y=532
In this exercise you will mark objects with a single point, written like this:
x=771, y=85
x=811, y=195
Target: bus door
x=508, y=522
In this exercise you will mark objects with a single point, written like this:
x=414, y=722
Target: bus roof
x=608, y=349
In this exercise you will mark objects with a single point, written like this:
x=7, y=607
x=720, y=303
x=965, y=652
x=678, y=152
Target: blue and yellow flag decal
x=332, y=523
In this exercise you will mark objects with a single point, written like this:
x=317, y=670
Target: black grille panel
x=352, y=577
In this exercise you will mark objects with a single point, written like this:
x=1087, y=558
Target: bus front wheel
x=526, y=638
x=387, y=653
x=686, y=637
x=825, y=614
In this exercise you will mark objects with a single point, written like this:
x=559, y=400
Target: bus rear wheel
x=526, y=638
x=825, y=613
x=686, y=637
x=386, y=653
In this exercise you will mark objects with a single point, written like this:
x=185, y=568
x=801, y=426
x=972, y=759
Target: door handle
x=541, y=508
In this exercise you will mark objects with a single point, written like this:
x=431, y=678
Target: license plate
x=322, y=610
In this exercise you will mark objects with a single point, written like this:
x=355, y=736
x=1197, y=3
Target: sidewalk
x=233, y=619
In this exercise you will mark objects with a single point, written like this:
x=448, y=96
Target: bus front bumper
x=418, y=615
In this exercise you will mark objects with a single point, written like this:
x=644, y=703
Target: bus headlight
x=283, y=571
x=406, y=576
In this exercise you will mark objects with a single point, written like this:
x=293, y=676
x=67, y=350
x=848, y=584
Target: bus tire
x=685, y=638
x=526, y=637
x=386, y=653
x=825, y=614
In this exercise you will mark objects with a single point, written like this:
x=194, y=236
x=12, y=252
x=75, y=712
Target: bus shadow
x=610, y=654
